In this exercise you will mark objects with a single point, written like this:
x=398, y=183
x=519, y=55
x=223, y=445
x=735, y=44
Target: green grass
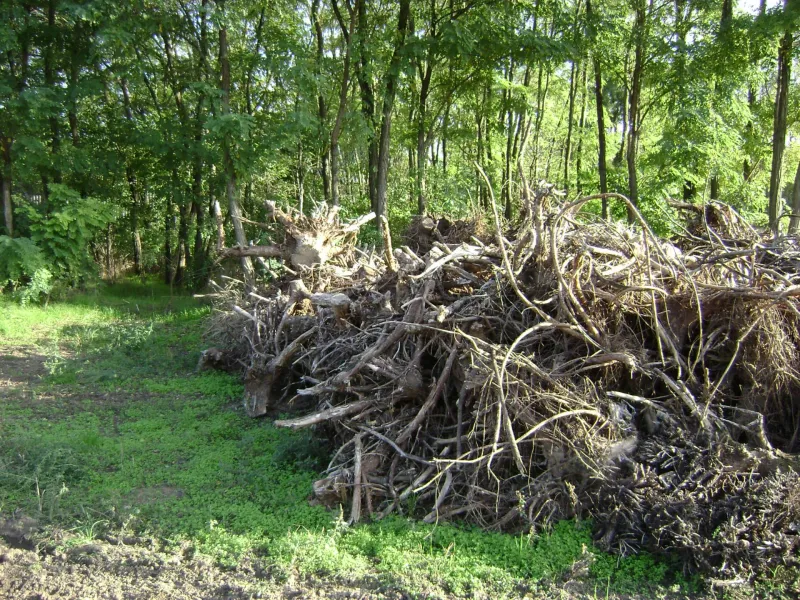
x=122, y=434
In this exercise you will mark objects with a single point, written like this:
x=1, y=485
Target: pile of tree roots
x=568, y=367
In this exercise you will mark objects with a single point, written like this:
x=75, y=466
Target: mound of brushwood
x=574, y=369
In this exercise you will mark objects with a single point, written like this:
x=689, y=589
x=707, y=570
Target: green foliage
x=22, y=267
x=66, y=234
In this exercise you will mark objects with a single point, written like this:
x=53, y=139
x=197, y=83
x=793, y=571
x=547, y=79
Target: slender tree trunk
x=168, y=224
x=49, y=81
x=367, y=98
x=135, y=235
x=422, y=145
x=794, y=221
x=133, y=187
x=220, y=221
x=390, y=90
x=230, y=184
x=600, y=107
x=542, y=90
x=779, y=125
x=620, y=155
x=336, y=130
x=506, y=124
x=714, y=188
x=481, y=191
x=182, y=259
x=573, y=88
x=109, y=254
x=640, y=36
x=5, y=187
x=581, y=126
x=321, y=104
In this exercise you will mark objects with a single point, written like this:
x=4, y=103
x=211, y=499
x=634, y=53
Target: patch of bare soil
x=100, y=570
x=20, y=365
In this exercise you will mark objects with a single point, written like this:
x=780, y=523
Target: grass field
x=107, y=430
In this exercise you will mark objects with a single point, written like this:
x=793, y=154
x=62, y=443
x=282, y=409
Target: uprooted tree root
x=580, y=369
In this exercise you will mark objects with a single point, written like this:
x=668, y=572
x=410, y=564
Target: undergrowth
x=123, y=435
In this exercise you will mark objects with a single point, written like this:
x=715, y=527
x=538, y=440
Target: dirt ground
x=106, y=571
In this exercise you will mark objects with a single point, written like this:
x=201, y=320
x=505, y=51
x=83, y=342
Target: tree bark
x=390, y=90
x=640, y=36
x=133, y=187
x=49, y=81
x=581, y=127
x=573, y=88
x=336, y=130
x=230, y=184
x=367, y=98
x=779, y=125
x=322, y=106
x=422, y=146
x=5, y=185
x=168, y=225
x=599, y=105
x=794, y=221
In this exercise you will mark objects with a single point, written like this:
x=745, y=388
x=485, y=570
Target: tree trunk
x=640, y=36
x=794, y=221
x=168, y=219
x=390, y=90
x=230, y=185
x=714, y=191
x=581, y=126
x=367, y=98
x=542, y=89
x=336, y=130
x=573, y=88
x=135, y=236
x=779, y=126
x=422, y=146
x=5, y=185
x=49, y=81
x=183, y=258
x=618, y=157
x=133, y=187
x=599, y=105
x=321, y=105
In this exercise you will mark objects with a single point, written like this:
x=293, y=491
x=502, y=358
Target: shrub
x=65, y=235
x=22, y=268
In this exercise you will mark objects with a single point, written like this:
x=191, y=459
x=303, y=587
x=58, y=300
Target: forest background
x=141, y=135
